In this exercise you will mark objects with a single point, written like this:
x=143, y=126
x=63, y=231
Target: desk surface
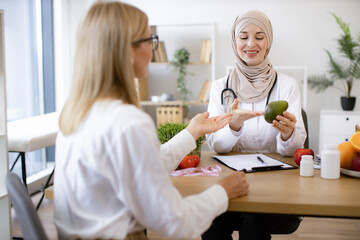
x=283, y=191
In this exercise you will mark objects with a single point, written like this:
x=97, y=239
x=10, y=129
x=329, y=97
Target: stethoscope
x=234, y=95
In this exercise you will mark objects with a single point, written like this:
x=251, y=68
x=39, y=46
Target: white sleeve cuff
x=220, y=197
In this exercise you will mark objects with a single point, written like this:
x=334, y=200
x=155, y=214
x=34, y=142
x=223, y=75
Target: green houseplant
x=168, y=130
x=345, y=71
x=180, y=62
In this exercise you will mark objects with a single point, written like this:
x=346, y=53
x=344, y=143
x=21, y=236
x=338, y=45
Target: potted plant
x=346, y=72
x=180, y=62
x=168, y=130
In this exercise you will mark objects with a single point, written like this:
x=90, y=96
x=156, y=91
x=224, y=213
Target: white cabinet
x=337, y=126
x=4, y=162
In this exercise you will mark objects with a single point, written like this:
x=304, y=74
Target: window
x=29, y=67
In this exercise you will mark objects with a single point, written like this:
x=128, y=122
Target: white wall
x=302, y=30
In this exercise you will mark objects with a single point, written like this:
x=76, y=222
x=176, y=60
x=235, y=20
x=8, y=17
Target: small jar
x=330, y=162
x=307, y=166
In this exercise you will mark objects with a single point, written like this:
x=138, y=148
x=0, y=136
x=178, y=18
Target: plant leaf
x=319, y=83
x=346, y=43
x=335, y=68
x=168, y=130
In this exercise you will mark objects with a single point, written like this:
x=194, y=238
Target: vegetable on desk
x=168, y=130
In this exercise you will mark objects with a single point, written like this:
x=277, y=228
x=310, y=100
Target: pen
x=261, y=160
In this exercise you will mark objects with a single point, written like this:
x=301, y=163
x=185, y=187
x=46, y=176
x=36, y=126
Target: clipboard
x=252, y=162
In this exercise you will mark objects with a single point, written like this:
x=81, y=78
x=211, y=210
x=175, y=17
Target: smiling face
x=251, y=45
x=142, y=55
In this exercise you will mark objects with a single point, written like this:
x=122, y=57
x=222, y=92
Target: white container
x=307, y=166
x=330, y=162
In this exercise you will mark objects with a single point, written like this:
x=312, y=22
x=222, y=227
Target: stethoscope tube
x=234, y=95
x=227, y=89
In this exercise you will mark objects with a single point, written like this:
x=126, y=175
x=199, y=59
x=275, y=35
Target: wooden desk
x=283, y=191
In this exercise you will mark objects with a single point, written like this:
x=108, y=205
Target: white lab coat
x=256, y=135
x=112, y=179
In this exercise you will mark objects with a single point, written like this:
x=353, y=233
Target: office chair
x=26, y=214
x=304, y=116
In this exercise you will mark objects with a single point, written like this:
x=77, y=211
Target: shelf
x=166, y=103
x=190, y=63
x=199, y=40
x=198, y=103
x=171, y=103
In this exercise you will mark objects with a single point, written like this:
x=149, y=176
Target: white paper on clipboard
x=250, y=162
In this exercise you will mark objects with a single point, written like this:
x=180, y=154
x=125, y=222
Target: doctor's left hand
x=240, y=115
x=201, y=124
x=285, y=124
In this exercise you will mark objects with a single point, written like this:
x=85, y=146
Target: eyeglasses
x=154, y=40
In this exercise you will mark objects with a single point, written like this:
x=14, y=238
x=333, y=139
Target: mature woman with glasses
x=111, y=178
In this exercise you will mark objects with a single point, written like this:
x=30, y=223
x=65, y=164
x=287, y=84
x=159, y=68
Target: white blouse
x=256, y=135
x=112, y=178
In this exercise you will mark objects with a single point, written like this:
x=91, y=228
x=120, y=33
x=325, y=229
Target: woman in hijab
x=247, y=90
x=253, y=84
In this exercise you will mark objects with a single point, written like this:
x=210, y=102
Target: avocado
x=273, y=109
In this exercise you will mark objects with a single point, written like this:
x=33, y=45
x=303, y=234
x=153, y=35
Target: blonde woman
x=111, y=178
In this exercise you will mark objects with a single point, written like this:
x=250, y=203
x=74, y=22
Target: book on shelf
x=160, y=53
x=142, y=88
x=207, y=92
x=202, y=52
x=153, y=29
x=206, y=51
x=204, y=92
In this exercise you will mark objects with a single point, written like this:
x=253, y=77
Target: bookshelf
x=4, y=162
x=199, y=40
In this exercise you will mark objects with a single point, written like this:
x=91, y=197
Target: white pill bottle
x=307, y=166
x=330, y=162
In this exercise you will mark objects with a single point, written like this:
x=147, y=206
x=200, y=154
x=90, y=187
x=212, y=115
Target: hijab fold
x=251, y=83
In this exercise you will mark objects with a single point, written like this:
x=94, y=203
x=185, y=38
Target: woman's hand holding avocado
x=285, y=124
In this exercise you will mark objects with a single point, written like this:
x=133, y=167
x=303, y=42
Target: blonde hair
x=103, y=67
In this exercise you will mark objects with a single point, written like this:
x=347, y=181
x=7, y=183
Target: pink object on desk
x=212, y=170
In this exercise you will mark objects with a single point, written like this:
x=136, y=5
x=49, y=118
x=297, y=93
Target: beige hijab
x=251, y=83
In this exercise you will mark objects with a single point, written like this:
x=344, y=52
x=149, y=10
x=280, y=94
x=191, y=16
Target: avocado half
x=275, y=108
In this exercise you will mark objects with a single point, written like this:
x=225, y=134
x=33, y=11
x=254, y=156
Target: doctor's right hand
x=235, y=185
x=240, y=115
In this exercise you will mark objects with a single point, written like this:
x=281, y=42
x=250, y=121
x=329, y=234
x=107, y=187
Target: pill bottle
x=307, y=166
x=330, y=162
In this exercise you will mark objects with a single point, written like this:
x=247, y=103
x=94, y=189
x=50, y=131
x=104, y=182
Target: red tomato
x=197, y=159
x=187, y=162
